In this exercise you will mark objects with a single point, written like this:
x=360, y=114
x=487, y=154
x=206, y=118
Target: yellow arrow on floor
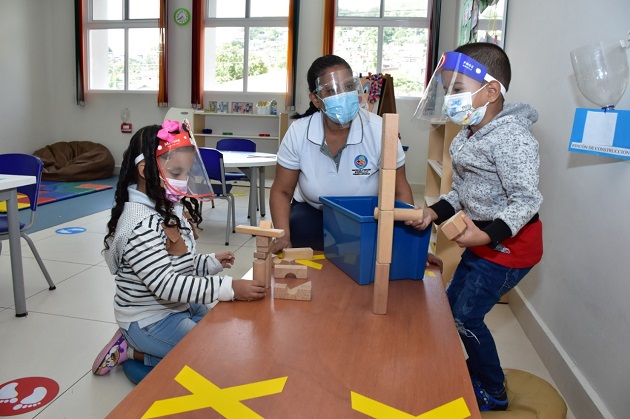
x=456, y=409
x=226, y=401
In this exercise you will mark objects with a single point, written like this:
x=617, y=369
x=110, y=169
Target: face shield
x=339, y=91
x=451, y=88
x=180, y=164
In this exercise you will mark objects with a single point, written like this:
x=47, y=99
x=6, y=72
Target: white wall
x=572, y=305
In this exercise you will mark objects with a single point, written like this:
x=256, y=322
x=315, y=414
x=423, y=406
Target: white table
x=247, y=162
x=8, y=193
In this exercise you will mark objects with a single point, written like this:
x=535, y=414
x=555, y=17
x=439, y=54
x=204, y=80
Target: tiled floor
x=66, y=328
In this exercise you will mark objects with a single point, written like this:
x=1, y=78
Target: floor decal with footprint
x=26, y=394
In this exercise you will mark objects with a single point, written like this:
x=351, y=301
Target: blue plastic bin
x=350, y=232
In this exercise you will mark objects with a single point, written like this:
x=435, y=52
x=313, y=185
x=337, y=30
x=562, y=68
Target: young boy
x=495, y=182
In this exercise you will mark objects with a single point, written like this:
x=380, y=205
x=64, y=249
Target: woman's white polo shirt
x=358, y=167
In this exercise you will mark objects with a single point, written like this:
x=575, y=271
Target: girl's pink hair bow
x=168, y=127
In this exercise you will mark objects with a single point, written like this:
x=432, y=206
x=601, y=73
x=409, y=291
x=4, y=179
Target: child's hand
x=226, y=258
x=246, y=290
x=472, y=236
x=434, y=260
x=417, y=224
x=428, y=216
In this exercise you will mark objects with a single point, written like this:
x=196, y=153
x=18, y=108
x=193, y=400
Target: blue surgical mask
x=458, y=108
x=342, y=108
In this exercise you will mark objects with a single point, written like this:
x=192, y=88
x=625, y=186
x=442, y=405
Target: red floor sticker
x=26, y=394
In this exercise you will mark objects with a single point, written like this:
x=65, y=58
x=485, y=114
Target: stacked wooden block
x=263, y=258
x=264, y=262
x=289, y=289
x=386, y=213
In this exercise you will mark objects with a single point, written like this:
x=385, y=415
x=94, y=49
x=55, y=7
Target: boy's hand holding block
x=454, y=226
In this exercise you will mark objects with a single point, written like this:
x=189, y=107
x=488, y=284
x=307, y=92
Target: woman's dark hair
x=320, y=67
x=145, y=142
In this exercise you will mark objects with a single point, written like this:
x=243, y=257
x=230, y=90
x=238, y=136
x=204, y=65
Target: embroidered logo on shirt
x=360, y=162
x=503, y=249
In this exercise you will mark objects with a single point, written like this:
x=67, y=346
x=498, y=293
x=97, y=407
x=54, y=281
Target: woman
x=334, y=149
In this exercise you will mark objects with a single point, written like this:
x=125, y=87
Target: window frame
x=125, y=24
x=246, y=23
x=380, y=23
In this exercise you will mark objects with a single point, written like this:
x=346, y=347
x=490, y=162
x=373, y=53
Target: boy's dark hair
x=320, y=67
x=145, y=142
x=493, y=57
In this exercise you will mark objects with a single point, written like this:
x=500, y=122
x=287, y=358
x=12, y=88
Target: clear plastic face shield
x=450, y=91
x=180, y=164
x=340, y=92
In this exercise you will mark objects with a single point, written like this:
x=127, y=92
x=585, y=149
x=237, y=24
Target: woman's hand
x=246, y=290
x=225, y=258
x=434, y=260
x=280, y=243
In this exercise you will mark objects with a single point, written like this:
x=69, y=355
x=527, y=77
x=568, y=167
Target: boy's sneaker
x=485, y=401
x=114, y=353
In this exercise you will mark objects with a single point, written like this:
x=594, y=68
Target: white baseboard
x=579, y=395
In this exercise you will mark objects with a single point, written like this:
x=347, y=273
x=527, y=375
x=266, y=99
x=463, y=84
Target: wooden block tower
x=263, y=258
x=386, y=213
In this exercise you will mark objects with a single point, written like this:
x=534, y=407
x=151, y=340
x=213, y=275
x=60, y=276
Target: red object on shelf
x=263, y=135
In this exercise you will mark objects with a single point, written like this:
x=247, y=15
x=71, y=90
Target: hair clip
x=168, y=127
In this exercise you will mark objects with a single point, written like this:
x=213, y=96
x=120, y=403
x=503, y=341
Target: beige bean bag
x=69, y=161
x=530, y=397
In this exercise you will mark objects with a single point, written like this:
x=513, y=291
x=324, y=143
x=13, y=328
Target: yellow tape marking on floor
x=226, y=401
x=456, y=409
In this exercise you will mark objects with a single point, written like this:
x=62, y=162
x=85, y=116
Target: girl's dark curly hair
x=145, y=142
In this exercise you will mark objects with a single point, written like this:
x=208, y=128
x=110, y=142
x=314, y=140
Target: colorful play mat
x=58, y=191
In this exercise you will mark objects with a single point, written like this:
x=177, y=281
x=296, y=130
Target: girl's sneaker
x=114, y=353
x=487, y=402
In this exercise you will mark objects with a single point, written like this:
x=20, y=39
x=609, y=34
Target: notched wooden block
x=297, y=271
x=299, y=290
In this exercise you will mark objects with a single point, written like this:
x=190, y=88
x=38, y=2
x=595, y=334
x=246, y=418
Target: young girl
x=162, y=286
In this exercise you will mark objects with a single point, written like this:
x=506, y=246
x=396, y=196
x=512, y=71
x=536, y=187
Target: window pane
x=364, y=8
x=223, y=59
x=107, y=59
x=143, y=59
x=267, y=67
x=358, y=46
x=404, y=57
x=266, y=8
x=144, y=9
x=406, y=8
x=491, y=23
x=107, y=9
x=226, y=8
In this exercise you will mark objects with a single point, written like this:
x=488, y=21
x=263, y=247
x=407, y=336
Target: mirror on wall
x=483, y=21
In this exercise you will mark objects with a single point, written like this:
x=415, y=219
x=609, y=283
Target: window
x=246, y=45
x=123, y=44
x=385, y=36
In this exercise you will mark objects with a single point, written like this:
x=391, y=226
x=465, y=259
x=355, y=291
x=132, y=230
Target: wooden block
x=385, y=237
x=403, y=214
x=265, y=224
x=386, y=189
x=454, y=226
x=262, y=241
x=259, y=271
x=389, y=141
x=261, y=255
x=257, y=231
x=381, y=288
x=278, y=261
x=292, y=253
x=268, y=269
x=281, y=271
x=301, y=292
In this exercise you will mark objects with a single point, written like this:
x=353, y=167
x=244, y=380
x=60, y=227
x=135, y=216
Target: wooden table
x=8, y=193
x=324, y=355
